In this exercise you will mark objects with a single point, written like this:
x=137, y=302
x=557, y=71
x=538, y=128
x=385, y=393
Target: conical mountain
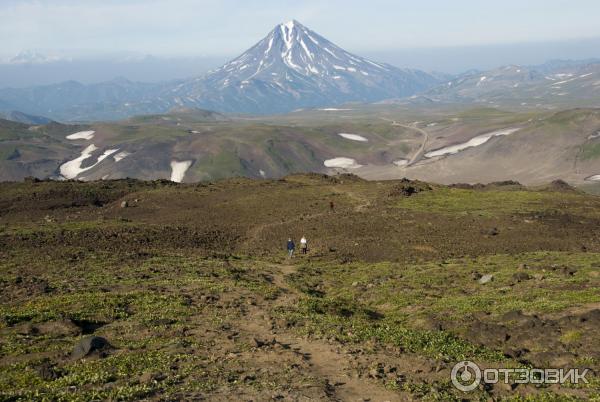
x=294, y=67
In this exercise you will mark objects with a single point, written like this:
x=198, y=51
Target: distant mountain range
x=32, y=57
x=556, y=84
x=20, y=117
x=295, y=68
x=292, y=67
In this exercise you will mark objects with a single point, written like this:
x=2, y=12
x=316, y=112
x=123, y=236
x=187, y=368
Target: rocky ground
x=131, y=290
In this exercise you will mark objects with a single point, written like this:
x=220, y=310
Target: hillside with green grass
x=190, y=290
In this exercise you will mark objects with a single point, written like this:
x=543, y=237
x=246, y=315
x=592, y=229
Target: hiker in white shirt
x=304, y=245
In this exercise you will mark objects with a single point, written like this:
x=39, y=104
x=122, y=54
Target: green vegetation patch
x=487, y=203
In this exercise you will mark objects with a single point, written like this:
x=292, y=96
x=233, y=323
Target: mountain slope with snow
x=548, y=86
x=294, y=67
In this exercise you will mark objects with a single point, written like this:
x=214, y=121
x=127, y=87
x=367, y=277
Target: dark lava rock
x=561, y=185
x=407, y=187
x=260, y=343
x=492, y=232
x=505, y=183
x=467, y=186
x=87, y=346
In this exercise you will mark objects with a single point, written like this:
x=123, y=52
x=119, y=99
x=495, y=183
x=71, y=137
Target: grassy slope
x=176, y=281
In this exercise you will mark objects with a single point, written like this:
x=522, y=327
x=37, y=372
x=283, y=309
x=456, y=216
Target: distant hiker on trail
x=331, y=206
x=290, y=247
x=303, y=245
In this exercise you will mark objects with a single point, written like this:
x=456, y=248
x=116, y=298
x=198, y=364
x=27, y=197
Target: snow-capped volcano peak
x=292, y=45
x=294, y=67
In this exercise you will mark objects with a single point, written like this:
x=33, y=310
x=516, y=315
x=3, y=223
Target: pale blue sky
x=227, y=27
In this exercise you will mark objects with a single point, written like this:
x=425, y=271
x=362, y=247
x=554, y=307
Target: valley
x=443, y=144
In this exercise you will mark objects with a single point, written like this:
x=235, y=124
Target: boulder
x=486, y=278
x=86, y=346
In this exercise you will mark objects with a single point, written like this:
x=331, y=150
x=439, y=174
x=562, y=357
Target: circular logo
x=466, y=376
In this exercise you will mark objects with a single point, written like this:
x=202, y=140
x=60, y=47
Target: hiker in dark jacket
x=291, y=247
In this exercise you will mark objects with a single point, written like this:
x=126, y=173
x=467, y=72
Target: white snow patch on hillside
x=333, y=109
x=312, y=69
x=400, y=162
x=316, y=42
x=81, y=135
x=341, y=162
x=72, y=169
x=105, y=155
x=595, y=135
x=353, y=137
x=178, y=170
x=121, y=155
x=473, y=142
x=595, y=177
x=270, y=45
x=308, y=53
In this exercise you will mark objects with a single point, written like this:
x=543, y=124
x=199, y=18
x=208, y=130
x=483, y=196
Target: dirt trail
x=363, y=202
x=417, y=156
x=326, y=361
x=253, y=235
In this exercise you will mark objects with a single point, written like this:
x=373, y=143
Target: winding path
x=417, y=156
x=326, y=361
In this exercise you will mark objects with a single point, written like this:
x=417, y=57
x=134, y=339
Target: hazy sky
x=227, y=27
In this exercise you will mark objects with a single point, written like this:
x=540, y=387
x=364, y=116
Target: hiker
x=331, y=206
x=303, y=245
x=290, y=247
